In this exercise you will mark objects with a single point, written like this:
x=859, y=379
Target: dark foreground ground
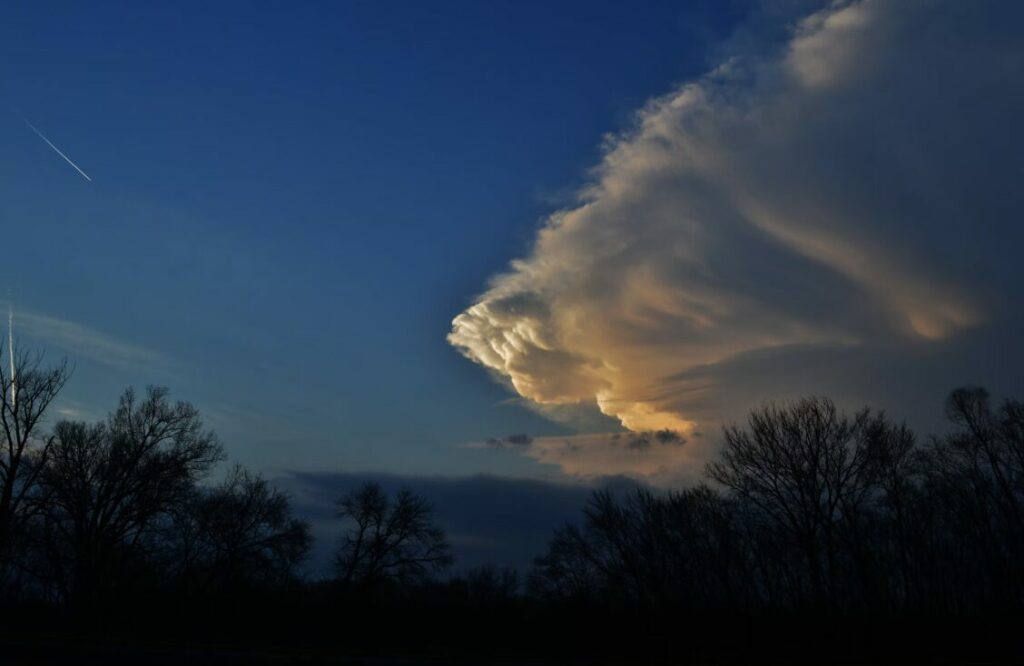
x=63, y=650
x=511, y=636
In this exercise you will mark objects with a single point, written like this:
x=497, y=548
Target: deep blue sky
x=290, y=201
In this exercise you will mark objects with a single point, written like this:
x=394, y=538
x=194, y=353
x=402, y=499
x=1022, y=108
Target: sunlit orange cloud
x=794, y=201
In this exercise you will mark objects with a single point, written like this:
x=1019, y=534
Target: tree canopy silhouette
x=389, y=539
x=25, y=396
x=107, y=488
x=236, y=535
x=806, y=513
x=812, y=508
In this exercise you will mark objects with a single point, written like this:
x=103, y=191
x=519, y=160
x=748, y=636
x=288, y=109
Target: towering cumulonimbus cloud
x=855, y=193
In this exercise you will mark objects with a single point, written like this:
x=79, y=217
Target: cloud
x=83, y=342
x=651, y=455
x=579, y=417
x=852, y=192
x=659, y=457
x=662, y=457
x=516, y=440
x=488, y=519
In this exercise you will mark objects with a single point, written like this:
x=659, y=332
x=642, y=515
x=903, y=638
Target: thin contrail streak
x=50, y=144
x=10, y=354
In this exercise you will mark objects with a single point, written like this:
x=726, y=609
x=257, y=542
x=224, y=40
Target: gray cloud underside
x=490, y=520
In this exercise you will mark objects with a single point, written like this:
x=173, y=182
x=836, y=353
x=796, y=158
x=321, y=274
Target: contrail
x=50, y=144
x=10, y=354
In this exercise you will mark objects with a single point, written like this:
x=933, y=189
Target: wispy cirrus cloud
x=83, y=342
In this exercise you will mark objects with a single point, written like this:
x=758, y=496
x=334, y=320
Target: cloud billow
x=855, y=192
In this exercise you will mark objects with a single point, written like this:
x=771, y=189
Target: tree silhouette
x=681, y=549
x=808, y=470
x=806, y=510
x=239, y=534
x=389, y=539
x=106, y=487
x=25, y=396
x=812, y=507
x=977, y=478
x=489, y=585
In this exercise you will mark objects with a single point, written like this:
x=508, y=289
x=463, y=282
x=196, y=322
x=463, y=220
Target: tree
x=811, y=473
x=570, y=570
x=679, y=549
x=489, y=585
x=106, y=487
x=989, y=445
x=820, y=509
x=238, y=534
x=389, y=539
x=977, y=477
x=27, y=393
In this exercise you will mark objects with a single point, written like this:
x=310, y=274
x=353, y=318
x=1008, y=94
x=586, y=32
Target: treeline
x=811, y=509
x=92, y=514
x=100, y=516
x=131, y=526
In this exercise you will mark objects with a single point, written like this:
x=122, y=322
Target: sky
x=511, y=241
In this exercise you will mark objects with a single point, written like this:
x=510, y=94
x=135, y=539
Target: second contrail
x=50, y=144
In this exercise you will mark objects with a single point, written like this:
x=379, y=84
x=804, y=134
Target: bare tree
x=489, y=585
x=105, y=487
x=570, y=570
x=681, y=548
x=821, y=508
x=978, y=480
x=389, y=539
x=240, y=533
x=616, y=554
x=990, y=444
x=27, y=394
x=808, y=469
